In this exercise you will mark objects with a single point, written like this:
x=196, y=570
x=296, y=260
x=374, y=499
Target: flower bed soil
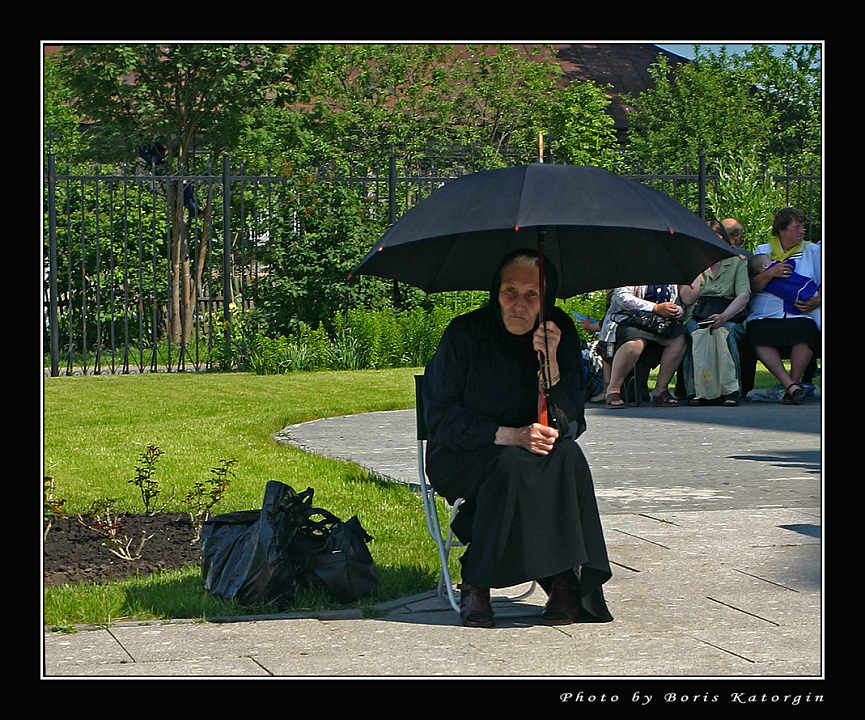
x=73, y=553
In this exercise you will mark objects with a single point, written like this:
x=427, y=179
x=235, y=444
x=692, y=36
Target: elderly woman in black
x=530, y=511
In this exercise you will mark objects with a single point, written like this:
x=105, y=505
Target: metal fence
x=108, y=252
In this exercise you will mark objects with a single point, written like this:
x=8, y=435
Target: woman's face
x=793, y=234
x=519, y=297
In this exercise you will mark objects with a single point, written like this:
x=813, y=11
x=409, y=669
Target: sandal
x=615, y=401
x=664, y=400
x=793, y=398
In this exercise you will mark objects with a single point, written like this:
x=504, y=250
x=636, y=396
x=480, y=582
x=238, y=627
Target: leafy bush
x=745, y=190
x=364, y=339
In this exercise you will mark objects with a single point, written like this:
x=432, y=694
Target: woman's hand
x=554, y=336
x=806, y=306
x=590, y=326
x=717, y=321
x=780, y=270
x=668, y=309
x=536, y=438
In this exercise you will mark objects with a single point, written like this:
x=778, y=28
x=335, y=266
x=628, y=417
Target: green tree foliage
x=702, y=107
x=59, y=121
x=584, y=133
x=789, y=87
x=323, y=230
x=460, y=108
x=757, y=104
x=419, y=99
x=181, y=96
x=360, y=101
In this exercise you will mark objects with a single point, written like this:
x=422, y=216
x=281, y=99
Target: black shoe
x=563, y=605
x=796, y=396
x=475, y=607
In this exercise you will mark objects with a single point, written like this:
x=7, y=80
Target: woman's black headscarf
x=551, y=282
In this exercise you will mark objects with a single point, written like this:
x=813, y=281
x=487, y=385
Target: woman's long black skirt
x=784, y=333
x=527, y=517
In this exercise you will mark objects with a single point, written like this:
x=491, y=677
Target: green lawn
x=96, y=427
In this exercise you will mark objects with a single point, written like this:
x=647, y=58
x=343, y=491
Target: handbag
x=708, y=305
x=651, y=322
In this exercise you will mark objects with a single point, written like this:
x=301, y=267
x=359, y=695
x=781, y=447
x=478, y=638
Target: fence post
x=391, y=210
x=701, y=185
x=52, y=261
x=226, y=255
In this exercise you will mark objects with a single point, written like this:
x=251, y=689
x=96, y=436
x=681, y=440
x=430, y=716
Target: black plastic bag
x=246, y=556
x=260, y=557
x=335, y=555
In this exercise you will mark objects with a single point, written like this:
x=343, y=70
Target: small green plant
x=105, y=522
x=145, y=482
x=204, y=495
x=344, y=353
x=51, y=508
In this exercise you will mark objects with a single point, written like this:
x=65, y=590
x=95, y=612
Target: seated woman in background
x=770, y=325
x=530, y=511
x=629, y=340
x=720, y=294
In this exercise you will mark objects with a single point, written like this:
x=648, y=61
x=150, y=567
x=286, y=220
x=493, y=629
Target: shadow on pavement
x=804, y=418
x=807, y=460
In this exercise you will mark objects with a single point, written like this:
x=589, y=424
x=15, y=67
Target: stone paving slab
x=680, y=615
x=204, y=667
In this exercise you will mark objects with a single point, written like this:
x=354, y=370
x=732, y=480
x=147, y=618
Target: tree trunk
x=192, y=281
x=174, y=195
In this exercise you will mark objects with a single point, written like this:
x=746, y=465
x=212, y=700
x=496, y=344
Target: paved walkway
x=712, y=518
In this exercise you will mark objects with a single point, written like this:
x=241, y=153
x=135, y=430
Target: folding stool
x=444, y=542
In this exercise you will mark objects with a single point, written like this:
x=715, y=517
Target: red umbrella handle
x=543, y=410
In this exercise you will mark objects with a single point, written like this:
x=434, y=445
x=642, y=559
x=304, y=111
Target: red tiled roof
x=622, y=65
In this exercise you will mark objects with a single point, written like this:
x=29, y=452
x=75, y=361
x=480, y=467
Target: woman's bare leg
x=771, y=358
x=623, y=362
x=671, y=358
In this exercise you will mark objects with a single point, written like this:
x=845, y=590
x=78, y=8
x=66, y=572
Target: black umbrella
x=600, y=230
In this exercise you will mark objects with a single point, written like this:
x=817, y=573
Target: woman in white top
x=770, y=327
x=628, y=342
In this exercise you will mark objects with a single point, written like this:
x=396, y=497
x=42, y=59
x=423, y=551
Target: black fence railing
x=142, y=270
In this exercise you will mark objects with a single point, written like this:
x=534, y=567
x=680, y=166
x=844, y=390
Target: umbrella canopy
x=600, y=230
